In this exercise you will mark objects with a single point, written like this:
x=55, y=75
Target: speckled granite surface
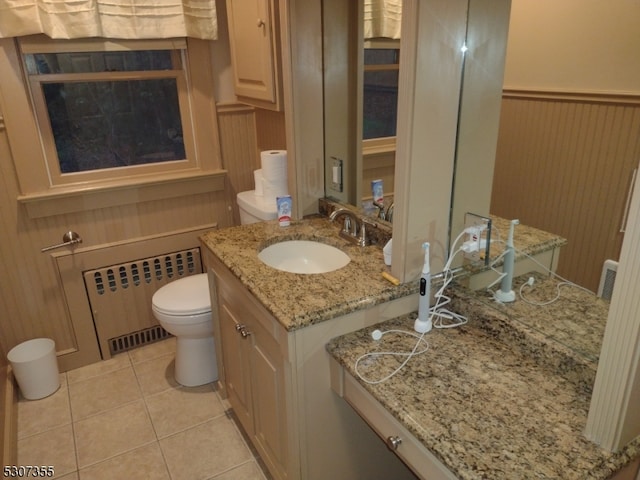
x=527, y=241
x=298, y=300
x=482, y=406
x=565, y=335
x=576, y=319
x=488, y=408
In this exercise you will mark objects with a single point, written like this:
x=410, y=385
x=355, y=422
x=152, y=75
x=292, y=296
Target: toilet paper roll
x=273, y=189
x=274, y=164
x=257, y=180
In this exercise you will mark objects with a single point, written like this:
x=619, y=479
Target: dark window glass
x=98, y=125
x=380, y=93
x=381, y=56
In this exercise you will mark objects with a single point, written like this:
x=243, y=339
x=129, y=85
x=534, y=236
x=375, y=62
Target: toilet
x=183, y=308
x=254, y=208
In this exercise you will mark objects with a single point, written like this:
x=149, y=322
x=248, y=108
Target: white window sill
x=68, y=199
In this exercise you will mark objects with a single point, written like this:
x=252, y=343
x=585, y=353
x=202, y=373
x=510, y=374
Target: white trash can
x=35, y=367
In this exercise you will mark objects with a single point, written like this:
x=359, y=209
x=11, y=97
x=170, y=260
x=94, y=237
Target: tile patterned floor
x=127, y=418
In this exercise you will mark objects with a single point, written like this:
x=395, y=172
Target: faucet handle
x=363, y=240
x=380, y=207
x=346, y=224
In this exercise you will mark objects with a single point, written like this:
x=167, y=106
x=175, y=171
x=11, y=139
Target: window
x=380, y=92
x=107, y=111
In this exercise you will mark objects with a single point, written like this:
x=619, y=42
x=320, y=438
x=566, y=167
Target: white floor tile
x=127, y=418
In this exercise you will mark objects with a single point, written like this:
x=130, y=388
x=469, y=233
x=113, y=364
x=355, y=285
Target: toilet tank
x=254, y=208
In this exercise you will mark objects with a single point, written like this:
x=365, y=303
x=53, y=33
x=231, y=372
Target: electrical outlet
x=477, y=239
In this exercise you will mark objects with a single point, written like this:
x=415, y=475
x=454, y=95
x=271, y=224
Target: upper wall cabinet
x=255, y=52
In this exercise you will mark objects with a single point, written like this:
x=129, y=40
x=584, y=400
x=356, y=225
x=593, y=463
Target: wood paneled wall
x=378, y=166
x=244, y=133
x=31, y=299
x=564, y=164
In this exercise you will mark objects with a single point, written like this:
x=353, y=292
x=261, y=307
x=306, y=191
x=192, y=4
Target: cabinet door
x=251, y=32
x=235, y=352
x=269, y=400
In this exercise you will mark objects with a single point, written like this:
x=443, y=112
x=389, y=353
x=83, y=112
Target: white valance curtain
x=382, y=18
x=124, y=19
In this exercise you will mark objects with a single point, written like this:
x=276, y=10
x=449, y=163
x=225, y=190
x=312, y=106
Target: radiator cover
x=607, y=279
x=120, y=298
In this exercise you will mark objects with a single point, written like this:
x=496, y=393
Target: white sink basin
x=304, y=256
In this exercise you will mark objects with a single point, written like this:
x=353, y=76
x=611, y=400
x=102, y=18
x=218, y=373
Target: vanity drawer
x=408, y=448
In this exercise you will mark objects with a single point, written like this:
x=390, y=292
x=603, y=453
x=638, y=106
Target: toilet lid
x=186, y=296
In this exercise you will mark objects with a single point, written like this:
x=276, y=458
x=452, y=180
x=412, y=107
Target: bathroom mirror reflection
x=568, y=128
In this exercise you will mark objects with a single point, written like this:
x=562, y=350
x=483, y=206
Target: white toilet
x=254, y=208
x=183, y=308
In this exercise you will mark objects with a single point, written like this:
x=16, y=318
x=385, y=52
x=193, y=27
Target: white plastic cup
x=35, y=367
x=387, y=252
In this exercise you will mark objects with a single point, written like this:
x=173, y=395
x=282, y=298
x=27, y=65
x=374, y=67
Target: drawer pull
x=393, y=442
x=242, y=330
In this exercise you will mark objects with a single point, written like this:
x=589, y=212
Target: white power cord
x=563, y=283
x=530, y=282
x=408, y=355
x=440, y=317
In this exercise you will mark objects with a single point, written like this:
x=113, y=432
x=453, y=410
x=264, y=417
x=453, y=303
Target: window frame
x=39, y=192
x=36, y=82
x=376, y=145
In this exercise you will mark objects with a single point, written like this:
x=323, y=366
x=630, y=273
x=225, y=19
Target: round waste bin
x=35, y=367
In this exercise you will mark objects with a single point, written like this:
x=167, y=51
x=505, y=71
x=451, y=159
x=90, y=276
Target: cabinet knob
x=260, y=23
x=242, y=330
x=393, y=442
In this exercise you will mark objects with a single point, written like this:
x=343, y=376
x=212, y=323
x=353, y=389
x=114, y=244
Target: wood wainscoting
x=245, y=131
x=564, y=164
x=32, y=300
x=8, y=416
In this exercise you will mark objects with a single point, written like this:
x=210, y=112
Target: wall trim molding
x=8, y=417
x=61, y=200
x=233, y=107
x=617, y=98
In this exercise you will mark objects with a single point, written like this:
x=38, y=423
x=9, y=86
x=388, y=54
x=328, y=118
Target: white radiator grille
x=120, y=297
x=607, y=279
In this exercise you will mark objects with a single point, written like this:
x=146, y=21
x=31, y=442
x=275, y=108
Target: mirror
x=479, y=72
x=461, y=167
x=351, y=166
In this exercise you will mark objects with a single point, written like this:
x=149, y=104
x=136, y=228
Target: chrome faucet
x=353, y=227
x=380, y=208
x=389, y=213
x=384, y=214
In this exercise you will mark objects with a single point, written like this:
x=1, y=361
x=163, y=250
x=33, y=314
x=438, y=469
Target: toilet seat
x=187, y=296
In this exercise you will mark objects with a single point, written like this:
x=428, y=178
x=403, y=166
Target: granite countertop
x=528, y=241
x=482, y=405
x=299, y=300
x=490, y=400
x=565, y=335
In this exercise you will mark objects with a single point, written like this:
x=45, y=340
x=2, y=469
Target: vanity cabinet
x=255, y=52
x=254, y=370
x=278, y=385
x=425, y=465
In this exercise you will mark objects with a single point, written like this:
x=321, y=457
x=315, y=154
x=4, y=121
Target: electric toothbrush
x=506, y=293
x=423, y=323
